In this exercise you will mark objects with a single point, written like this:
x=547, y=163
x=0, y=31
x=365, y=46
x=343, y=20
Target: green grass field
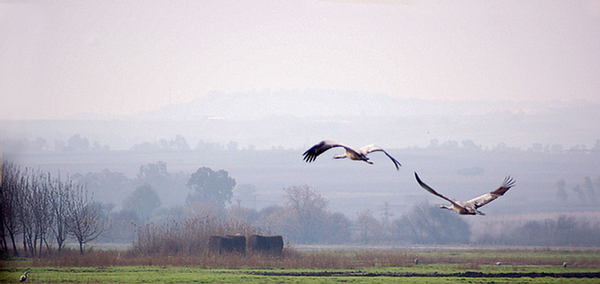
x=526, y=266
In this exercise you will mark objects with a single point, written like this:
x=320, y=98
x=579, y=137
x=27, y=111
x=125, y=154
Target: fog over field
x=298, y=119
x=461, y=149
x=118, y=94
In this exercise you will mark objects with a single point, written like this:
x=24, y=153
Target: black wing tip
x=418, y=179
x=397, y=164
x=420, y=182
x=309, y=157
x=508, y=182
x=312, y=153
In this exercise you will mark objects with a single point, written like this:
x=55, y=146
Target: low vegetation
x=176, y=250
x=293, y=259
x=115, y=266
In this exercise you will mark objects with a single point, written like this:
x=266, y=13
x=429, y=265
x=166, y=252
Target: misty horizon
x=464, y=93
x=119, y=59
x=297, y=119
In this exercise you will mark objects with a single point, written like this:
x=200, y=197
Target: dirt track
x=468, y=274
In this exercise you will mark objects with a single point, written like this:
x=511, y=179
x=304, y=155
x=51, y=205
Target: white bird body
x=353, y=154
x=23, y=277
x=470, y=207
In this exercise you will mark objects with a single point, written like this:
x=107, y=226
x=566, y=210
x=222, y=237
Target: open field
x=476, y=266
x=424, y=274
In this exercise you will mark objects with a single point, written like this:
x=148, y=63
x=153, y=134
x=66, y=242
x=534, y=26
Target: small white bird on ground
x=470, y=207
x=23, y=277
x=353, y=154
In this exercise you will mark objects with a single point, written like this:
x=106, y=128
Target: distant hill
x=323, y=103
x=296, y=119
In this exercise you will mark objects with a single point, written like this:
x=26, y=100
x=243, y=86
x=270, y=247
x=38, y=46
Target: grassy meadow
x=434, y=266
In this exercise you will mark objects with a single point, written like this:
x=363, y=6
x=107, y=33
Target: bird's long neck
x=340, y=156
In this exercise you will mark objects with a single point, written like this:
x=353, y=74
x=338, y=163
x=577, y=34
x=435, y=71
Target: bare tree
x=25, y=210
x=38, y=207
x=41, y=209
x=59, y=210
x=3, y=231
x=338, y=228
x=426, y=224
x=33, y=209
x=10, y=204
x=369, y=229
x=306, y=208
x=85, y=220
x=589, y=186
x=561, y=193
x=580, y=194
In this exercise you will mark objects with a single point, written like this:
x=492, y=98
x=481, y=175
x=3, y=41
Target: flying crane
x=470, y=207
x=353, y=154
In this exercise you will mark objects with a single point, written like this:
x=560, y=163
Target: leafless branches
x=84, y=217
x=36, y=208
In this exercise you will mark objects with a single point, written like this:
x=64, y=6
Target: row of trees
x=212, y=190
x=39, y=209
x=586, y=192
x=76, y=143
x=305, y=218
x=562, y=231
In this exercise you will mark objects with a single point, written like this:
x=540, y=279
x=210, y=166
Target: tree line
x=40, y=210
x=586, y=192
x=563, y=231
x=77, y=143
x=304, y=218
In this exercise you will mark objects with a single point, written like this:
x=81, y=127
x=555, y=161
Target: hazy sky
x=123, y=57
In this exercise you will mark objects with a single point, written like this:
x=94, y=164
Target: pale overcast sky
x=124, y=57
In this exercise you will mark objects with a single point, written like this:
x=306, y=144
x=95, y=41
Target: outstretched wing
x=428, y=188
x=318, y=149
x=373, y=148
x=490, y=196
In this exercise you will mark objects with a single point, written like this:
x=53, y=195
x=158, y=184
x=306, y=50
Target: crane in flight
x=470, y=207
x=359, y=154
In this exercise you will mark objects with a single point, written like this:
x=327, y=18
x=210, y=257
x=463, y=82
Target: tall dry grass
x=189, y=237
x=290, y=259
x=186, y=244
x=294, y=259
